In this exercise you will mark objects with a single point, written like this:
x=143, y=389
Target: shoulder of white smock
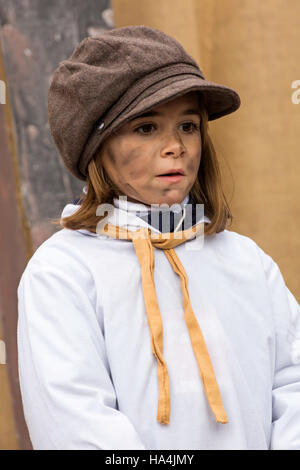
x=67, y=243
x=242, y=247
x=64, y=249
x=71, y=209
x=62, y=260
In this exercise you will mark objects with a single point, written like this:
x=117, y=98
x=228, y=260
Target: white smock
x=87, y=372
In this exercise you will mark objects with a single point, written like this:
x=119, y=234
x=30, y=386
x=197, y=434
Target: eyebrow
x=156, y=113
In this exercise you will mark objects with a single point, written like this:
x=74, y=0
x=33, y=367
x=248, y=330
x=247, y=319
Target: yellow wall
x=253, y=47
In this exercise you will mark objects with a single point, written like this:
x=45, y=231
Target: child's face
x=148, y=146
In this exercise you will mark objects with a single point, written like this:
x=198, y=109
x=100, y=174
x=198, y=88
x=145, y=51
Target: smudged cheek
x=135, y=179
x=131, y=174
x=133, y=167
x=138, y=182
x=129, y=157
x=193, y=166
x=132, y=178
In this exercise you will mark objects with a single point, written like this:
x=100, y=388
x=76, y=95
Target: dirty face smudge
x=166, y=137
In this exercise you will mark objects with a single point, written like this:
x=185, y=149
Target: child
x=143, y=323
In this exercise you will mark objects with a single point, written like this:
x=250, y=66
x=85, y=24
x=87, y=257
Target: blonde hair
x=207, y=189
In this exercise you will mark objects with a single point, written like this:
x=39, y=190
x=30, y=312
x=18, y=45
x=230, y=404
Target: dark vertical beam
x=15, y=245
x=34, y=184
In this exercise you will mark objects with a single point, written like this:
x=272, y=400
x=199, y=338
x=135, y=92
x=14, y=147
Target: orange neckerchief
x=143, y=241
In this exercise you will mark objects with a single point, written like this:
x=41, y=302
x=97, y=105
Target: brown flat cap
x=113, y=77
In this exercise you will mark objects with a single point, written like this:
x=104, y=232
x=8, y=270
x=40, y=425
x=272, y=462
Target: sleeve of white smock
x=68, y=395
x=286, y=383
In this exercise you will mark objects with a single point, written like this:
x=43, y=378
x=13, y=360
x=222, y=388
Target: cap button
x=101, y=126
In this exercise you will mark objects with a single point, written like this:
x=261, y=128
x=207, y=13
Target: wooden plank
x=34, y=185
x=13, y=259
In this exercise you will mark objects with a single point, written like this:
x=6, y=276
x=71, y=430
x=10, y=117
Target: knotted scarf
x=143, y=241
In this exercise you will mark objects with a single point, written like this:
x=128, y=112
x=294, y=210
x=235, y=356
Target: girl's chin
x=169, y=198
x=154, y=196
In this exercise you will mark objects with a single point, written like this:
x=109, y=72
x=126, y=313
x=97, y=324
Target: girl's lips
x=171, y=178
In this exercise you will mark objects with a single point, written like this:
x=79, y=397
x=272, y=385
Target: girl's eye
x=144, y=126
x=189, y=128
x=192, y=126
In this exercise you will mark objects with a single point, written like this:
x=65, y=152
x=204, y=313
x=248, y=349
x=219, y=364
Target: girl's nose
x=173, y=146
